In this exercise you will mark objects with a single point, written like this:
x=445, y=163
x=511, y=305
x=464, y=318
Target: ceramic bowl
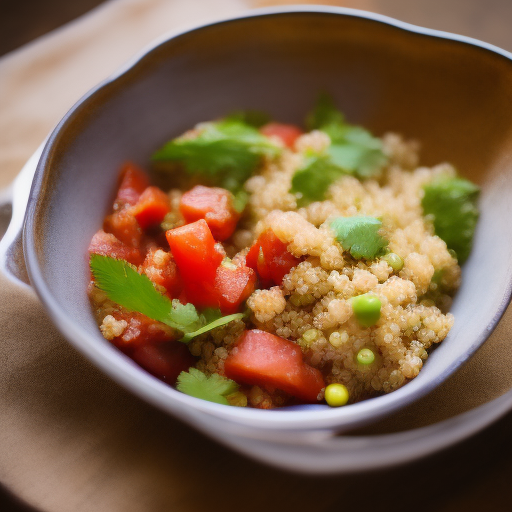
x=451, y=93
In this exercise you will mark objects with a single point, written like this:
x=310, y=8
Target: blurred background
x=23, y=20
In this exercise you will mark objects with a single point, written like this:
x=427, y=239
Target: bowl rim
x=117, y=366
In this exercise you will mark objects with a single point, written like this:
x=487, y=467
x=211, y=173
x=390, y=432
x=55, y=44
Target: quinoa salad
x=273, y=265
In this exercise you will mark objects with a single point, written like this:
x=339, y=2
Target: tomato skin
x=228, y=291
x=215, y=206
x=133, y=181
x=151, y=207
x=263, y=359
x=107, y=244
x=234, y=286
x=162, y=270
x=140, y=330
x=165, y=361
x=288, y=133
x=194, y=251
x=124, y=226
x=270, y=258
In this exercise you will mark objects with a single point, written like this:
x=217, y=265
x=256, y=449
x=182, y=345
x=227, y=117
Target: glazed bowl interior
x=453, y=96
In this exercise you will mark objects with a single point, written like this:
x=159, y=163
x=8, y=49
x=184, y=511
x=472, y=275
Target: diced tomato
x=133, y=182
x=107, y=244
x=140, y=330
x=288, y=133
x=229, y=290
x=165, y=361
x=270, y=258
x=233, y=287
x=151, y=207
x=162, y=270
x=124, y=226
x=215, y=206
x=194, y=251
x=263, y=359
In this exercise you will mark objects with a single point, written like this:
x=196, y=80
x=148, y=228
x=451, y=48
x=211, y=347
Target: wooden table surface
x=472, y=476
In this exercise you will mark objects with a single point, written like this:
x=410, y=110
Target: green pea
x=394, y=261
x=336, y=395
x=367, y=309
x=365, y=356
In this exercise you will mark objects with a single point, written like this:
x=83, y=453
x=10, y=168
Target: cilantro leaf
x=311, y=181
x=360, y=161
x=452, y=204
x=214, y=388
x=240, y=200
x=324, y=113
x=212, y=325
x=353, y=151
x=226, y=152
x=255, y=118
x=360, y=236
x=135, y=292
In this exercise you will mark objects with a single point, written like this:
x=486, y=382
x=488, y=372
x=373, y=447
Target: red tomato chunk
x=193, y=249
x=271, y=259
x=151, y=207
x=263, y=359
x=215, y=206
x=124, y=226
x=107, y=244
x=165, y=361
x=207, y=283
x=233, y=286
x=133, y=182
x=288, y=133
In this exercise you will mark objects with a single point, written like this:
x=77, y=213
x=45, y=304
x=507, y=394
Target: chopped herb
x=135, y=292
x=324, y=113
x=226, y=152
x=311, y=181
x=360, y=236
x=452, y=204
x=353, y=150
x=240, y=200
x=363, y=162
x=212, y=325
x=211, y=314
x=213, y=388
x=255, y=118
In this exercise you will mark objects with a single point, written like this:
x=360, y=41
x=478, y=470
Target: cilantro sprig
x=214, y=388
x=452, y=204
x=135, y=292
x=353, y=150
x=226, y=152
x=324, y=114
x=360, y=236
x=312, y=180
x=255, y=118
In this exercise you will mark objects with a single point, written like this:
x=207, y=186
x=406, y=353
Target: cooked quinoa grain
x=315, y=294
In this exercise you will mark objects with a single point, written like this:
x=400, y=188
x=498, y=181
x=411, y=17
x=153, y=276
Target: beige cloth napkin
x=71, y=439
